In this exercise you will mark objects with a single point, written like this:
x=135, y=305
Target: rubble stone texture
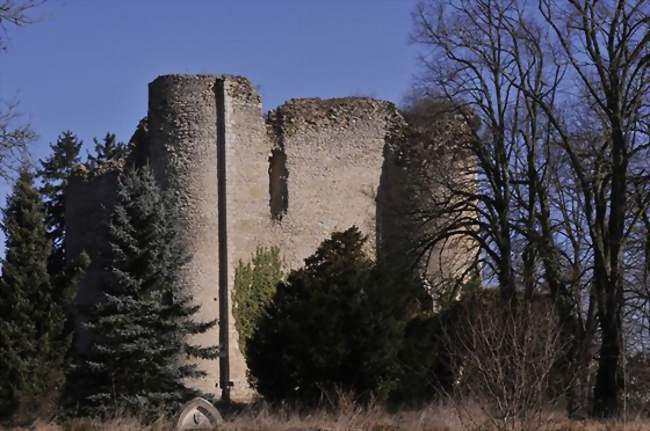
x=88, y=209
x=420, y=173
x=311, y=167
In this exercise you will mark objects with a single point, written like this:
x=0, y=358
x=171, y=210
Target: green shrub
x=255, y=285
x=429, y=367
x=336, y=324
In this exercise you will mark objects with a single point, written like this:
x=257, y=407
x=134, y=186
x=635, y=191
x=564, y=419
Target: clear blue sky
x=85, y=64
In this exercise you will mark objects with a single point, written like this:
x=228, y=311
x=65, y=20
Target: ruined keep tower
x=207, y=144
x=240, y=180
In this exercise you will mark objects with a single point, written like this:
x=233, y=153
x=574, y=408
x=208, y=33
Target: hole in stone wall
x=278, y=185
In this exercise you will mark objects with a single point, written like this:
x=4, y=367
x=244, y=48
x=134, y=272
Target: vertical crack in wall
x=278, y=183
x=278, y=172
x=222, y=222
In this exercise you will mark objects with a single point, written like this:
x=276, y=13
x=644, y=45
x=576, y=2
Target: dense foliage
x=254, y=287
x=32, y=316
x=141, y=325
x=106, y=150
x=334, y=324
x=55, y=172
x=65, y=271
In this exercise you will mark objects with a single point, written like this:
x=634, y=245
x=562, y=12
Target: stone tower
x=311, y=167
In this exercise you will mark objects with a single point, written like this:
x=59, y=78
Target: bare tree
x=14, y=140
x=562, y=93
x=14, y=136
x=485, y=56
x=467, y=64
x=508, y=364
x=604, y=46
x=15, y=13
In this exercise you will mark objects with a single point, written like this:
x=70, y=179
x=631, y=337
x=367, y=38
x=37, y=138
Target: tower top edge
x=188, y=77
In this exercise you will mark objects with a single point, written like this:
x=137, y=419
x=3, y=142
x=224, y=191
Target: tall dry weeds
x=346, y=415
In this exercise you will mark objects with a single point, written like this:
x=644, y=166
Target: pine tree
x=142, y=324
x=106, y=150
x=32, y=345
x=54, y=173
x=65, y=273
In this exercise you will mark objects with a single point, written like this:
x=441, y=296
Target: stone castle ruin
x=242, y=180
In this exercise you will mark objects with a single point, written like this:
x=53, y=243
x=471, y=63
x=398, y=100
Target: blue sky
x=85, y=64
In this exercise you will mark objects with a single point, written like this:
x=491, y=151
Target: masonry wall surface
x=419, y=171
x=205, y=131
x=247, y=149
x=182, y=142
x=334, y=153
x=90, y=197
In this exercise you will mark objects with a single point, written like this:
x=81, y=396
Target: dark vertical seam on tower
x=222, y=222
x=278, y=189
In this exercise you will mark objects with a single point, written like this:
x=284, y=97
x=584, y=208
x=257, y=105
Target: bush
x=255, y=285
x=509, y=356
x=428, y=369
x=337, y=323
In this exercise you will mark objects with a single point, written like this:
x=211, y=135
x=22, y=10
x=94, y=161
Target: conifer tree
x=55, y=172
x=65, y=273
x=107, y=149
x=141, y=326
x=32, y=345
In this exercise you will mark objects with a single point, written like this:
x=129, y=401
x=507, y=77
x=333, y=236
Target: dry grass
x=346, y=417
x=117, y=424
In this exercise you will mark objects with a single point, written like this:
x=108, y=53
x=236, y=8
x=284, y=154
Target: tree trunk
x=608, y=378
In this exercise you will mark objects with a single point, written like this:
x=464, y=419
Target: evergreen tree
x=54, y=173
x=32, y=346
x=65, y=273
x=141, y=326
x=107, y=149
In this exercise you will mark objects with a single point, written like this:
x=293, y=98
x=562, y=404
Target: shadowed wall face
x=278, y=184
x=419, y=171
x=91, y=197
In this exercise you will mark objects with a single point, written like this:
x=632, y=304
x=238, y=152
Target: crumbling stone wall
x=247, y=149
x=421, y=172
x=332, y=153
